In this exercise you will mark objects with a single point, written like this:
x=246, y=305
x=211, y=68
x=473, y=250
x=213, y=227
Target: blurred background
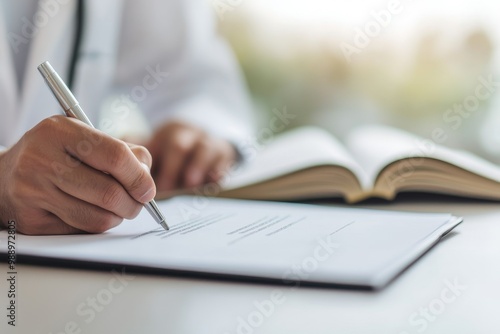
x=417, y=65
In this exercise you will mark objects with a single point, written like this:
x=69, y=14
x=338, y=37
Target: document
x=283, y=242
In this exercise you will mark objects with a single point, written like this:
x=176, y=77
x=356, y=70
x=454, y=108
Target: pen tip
x=164, y=225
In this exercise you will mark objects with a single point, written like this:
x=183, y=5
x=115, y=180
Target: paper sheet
x=279, y=241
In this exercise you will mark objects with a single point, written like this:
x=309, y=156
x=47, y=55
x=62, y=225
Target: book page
x=280, y=241
x=294, y=151
x=375, y=147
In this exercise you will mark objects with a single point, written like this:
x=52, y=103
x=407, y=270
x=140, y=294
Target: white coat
x=165, y=54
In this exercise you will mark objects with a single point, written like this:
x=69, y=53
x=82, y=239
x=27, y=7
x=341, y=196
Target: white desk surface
x=49, y=297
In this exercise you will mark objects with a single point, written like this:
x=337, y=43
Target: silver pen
x=72, y=109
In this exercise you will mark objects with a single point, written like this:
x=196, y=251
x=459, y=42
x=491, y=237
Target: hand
x=65, y=177
x=185, y=157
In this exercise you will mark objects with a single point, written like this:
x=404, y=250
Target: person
x=59, y=176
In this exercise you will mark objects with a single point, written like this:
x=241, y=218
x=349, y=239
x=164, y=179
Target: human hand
x=64, y=177
x=184, y=156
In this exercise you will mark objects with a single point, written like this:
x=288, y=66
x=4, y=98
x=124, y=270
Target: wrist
x=3, y=199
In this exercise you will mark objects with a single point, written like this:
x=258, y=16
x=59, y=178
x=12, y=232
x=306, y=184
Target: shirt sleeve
x=175, y=66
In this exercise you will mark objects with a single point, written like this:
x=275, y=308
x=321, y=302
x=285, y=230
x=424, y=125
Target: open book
x=375, y=161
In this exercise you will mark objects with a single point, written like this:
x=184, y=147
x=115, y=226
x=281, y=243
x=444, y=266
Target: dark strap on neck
x=80, y=17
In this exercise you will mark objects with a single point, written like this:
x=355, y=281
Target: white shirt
x=16, y=14
x=126, y=43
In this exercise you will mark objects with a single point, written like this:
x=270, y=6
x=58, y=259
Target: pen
x=72, y=108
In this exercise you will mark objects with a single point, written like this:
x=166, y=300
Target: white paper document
x=288, y=243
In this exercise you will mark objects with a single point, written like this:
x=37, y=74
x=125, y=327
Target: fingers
x=111, y=156
x=219, y=169
x=224, y=163
x=173, y=155
x=184, y=156
x=65, y=177
x=99, y=189
x=80, y=215
x=142, y=154
x=211, y=159
x=49, y=224
x=202, y=159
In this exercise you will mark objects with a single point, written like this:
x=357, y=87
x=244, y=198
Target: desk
x=49, y=297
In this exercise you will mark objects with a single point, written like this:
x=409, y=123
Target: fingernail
x=146, y=167
x=148, y=196
x=194, y=178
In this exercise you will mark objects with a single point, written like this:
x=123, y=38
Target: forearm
x=3, y=223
